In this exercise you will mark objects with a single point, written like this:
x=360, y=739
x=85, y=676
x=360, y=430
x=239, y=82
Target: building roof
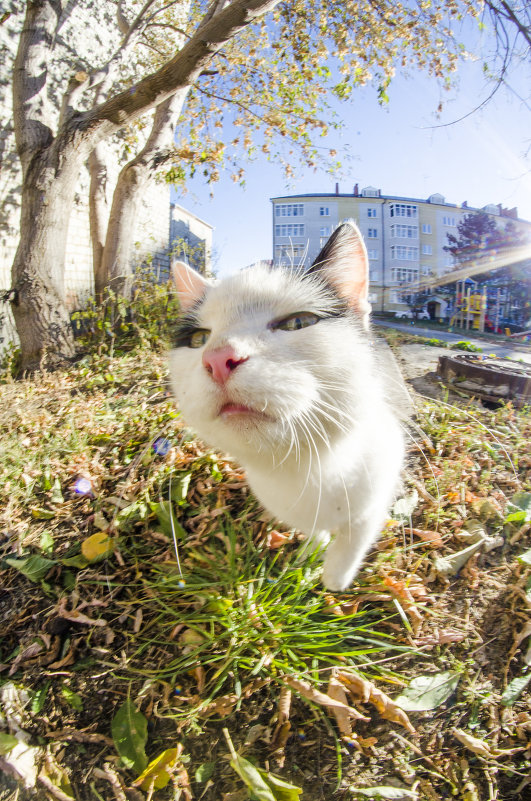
x=367, y=197
x=509, y=213
x=188, y=213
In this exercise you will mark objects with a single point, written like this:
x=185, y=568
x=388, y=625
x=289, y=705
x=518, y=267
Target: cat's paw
x=335, y=578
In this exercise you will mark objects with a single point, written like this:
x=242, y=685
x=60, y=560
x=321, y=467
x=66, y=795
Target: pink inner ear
x=191, y=286
x=350, y=272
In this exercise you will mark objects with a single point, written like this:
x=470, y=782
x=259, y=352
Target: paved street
x=519, y=352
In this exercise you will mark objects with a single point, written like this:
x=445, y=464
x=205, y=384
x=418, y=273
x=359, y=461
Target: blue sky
x=398, y=149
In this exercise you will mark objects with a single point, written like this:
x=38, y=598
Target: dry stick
x=112, y=777
x=55, y=791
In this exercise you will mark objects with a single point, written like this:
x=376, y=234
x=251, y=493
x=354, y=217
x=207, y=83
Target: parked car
x=407, y=314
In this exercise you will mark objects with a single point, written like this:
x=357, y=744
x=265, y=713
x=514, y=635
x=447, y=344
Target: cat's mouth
x=231, y=410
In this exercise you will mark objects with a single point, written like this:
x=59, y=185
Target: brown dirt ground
x=482, y=608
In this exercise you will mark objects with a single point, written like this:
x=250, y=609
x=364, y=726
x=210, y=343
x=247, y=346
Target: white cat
x=275, y=366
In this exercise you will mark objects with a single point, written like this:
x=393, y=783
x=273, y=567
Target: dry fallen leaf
x=77, y=617
x=432, y=538
x=481, y=748
x=276, y=539
x=283, y=727
x=336, y=690
x=365, y=691
x=404, y=593
x=305, y=689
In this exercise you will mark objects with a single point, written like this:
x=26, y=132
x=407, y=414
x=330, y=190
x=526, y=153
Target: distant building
x=190, y=239
x=405, y=237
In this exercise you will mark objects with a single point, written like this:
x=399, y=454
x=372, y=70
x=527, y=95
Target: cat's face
x=269, y=359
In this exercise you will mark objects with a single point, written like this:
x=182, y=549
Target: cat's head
x=269, y=359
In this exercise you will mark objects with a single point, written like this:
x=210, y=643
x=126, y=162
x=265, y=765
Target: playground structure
x=471, y=308
x=472, y=302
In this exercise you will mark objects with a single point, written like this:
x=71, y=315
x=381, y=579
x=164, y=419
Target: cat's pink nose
x=221, y=362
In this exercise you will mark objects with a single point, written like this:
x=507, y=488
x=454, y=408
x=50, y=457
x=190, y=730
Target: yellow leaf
x=98, y=546
x=159, y=770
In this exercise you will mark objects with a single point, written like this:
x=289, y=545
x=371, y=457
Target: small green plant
x=9, y=362
x=464, y=344
x=116, y=324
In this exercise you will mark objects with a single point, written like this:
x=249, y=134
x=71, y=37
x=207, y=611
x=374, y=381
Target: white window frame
x=403, y=210
x=405, y=275
x=404, y=253
x=289, y=251
x=289, y=210
x=399, y=231
x=289, y=229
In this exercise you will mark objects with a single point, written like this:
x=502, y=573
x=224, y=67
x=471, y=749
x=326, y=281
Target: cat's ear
x=191, y=286
x=344, y=264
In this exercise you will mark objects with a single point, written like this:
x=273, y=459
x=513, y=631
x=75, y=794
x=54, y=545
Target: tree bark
x=39, y=307
x=98, y=213
x=116, y=267
x=50, y=168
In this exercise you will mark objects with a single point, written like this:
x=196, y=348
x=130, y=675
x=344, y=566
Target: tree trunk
x=117, y=262
x=98, y=213
x=51, y=163
x=39, y=308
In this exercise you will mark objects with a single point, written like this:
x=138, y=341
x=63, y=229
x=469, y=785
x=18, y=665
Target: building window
x=449, y=221
x=404, y=275
x=426, y=270
x=427, y=250
x=289, y=210
x=403, y=253
x=371, y=212
x=374, y=276
x=373, y=254
x=402, y=210
x=289, y=252
x=405, y=231
x=324, y=211
x=426, y=228
x=372, y=233
x=324, y=230
x=291, y=229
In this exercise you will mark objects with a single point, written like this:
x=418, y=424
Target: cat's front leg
x=314, y=542
x=344, y=555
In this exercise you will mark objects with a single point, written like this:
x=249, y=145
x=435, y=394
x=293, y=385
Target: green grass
x=212, y=627
x=244, y=614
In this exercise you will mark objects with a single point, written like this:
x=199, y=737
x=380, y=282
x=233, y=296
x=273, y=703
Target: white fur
x=328, y=455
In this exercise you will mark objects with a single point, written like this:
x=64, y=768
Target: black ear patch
x=337, y=246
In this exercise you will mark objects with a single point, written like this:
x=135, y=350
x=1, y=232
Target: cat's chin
x=240, y=413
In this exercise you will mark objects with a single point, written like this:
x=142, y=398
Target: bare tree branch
x=179, y=72
x=523, y=29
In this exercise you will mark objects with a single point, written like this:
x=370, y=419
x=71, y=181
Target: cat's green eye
x=296, y=321
x=198, y=338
